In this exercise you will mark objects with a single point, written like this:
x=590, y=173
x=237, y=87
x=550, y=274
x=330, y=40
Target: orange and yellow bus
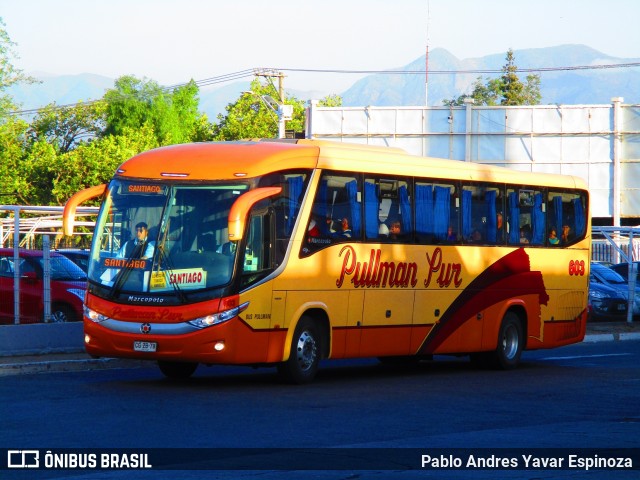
x=286, y=253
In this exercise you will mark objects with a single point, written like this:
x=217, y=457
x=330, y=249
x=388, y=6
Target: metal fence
x=38, y=228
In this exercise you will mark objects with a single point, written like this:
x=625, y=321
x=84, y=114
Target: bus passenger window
x=394, y=217
x=336, y=214
x=566, y=215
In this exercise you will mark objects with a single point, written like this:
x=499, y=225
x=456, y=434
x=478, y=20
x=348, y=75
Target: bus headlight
x=217, y=318
x=93, y=315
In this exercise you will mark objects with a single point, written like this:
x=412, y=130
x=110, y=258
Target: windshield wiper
x=161, y=259
x=123, y=274
x=164, y=260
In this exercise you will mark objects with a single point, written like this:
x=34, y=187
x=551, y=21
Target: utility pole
x=426, y=60
x=284, y=111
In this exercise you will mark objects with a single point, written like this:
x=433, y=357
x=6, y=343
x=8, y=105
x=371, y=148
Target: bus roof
x=233, y=160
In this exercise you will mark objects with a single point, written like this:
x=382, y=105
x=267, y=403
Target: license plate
x=145, y=346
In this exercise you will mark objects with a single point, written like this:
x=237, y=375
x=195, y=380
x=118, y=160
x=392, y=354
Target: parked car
x=78, y=256
x=68, y=286
x=608, y=294
x=623, y=270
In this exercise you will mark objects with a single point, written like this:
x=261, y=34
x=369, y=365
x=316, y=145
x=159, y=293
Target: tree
x=9, y=75
x=94, y=163
x=173, y=114
x=50, y=177
x=66, y=127
x=12, y=153
x=330, y=101
x=504, y=90
x=251, y=117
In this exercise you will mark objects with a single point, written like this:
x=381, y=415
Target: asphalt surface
x=79, y=361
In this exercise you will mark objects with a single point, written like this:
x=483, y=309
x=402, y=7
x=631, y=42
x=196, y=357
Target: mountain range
x=559, y=83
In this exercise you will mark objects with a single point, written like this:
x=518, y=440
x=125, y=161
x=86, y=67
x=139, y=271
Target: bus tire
x=507, y=354
x=510, y=342
x=177, y=370
x=304, y=357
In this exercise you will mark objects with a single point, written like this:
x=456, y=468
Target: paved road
x=581, y=396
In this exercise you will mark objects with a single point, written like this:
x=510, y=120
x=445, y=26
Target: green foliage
x=94, y=163
x=504, y=90
x=252, y=117
x=12, y=153
x=65, y=149
x=134, y=103
x=330, y=101
x=65, y=127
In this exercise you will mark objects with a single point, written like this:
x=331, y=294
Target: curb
x=49, y=363
x=611, y=337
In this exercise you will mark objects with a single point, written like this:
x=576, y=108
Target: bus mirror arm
x=69, y=213
x=241, y=207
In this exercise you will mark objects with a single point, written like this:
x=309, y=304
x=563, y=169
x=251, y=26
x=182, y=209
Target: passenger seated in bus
x=499, y=227
x=566, y=236
x=345, y=229
x=553, y=238
x=524, y=234
x=395, y=230
x=476, y=236
x=451, y=235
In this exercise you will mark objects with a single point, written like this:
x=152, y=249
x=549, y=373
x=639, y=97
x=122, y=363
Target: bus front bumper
x=232, y=342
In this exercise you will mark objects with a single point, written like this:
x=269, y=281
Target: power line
x=458, y=72
x=258, y=71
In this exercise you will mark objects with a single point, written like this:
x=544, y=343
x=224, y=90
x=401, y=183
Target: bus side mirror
x=242, y=205
x=69, y=213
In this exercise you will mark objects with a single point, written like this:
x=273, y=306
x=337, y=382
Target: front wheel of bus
x=304, y=357
x=177, y=370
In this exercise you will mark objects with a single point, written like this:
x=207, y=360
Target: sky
x=173, y=41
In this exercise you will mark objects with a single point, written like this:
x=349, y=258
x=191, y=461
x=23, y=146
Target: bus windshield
x=164, y=239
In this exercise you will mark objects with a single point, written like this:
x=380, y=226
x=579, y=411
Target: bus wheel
x=510, y=344
x=304, y=357
x=177, y=370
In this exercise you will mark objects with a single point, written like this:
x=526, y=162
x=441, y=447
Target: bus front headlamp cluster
x=217, y=318
x=93, y=315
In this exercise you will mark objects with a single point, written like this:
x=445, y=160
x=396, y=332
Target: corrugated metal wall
x=600, y=143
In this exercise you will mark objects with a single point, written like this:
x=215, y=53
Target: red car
x=68, y=286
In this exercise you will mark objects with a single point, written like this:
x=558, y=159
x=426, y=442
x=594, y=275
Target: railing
x=618, y=245
x=28, y=228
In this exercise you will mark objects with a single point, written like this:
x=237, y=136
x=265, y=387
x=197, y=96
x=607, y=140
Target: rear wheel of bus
x=177, y=370
x=304, y=357
x=507, y=354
